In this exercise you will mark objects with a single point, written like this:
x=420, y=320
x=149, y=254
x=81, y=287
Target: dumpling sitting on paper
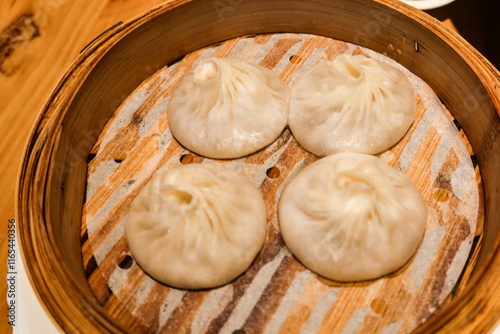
x=352, y=217
x=351, y=104
x=228, y=108
x=196, y=226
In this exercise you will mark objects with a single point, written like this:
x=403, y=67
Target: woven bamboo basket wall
x=53, y=180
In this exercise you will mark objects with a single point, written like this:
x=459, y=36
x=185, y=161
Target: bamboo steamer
x=54, y=173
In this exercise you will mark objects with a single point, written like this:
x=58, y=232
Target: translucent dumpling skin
x=352, y=217
x=228, y=108
x=196, y=226
x=351, y=104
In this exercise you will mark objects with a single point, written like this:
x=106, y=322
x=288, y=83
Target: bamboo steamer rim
x=72, y=307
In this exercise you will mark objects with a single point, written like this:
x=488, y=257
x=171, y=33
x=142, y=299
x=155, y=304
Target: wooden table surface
x=39, y=39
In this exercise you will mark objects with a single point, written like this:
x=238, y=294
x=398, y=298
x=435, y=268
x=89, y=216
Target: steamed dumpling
x=351, y=104
x=228, y=108
x=196, y=226
x=351, y=217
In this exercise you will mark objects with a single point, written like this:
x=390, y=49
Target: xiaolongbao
x=196, y=226
x=228, y=108
x=351, y=104
x=351, y=217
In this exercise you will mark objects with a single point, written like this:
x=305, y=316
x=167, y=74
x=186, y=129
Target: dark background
x=478, y=21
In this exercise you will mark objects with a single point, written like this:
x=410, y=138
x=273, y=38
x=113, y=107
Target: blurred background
x=478, y=21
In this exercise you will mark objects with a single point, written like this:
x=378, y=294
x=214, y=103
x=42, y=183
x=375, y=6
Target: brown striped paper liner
x=277, y=294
